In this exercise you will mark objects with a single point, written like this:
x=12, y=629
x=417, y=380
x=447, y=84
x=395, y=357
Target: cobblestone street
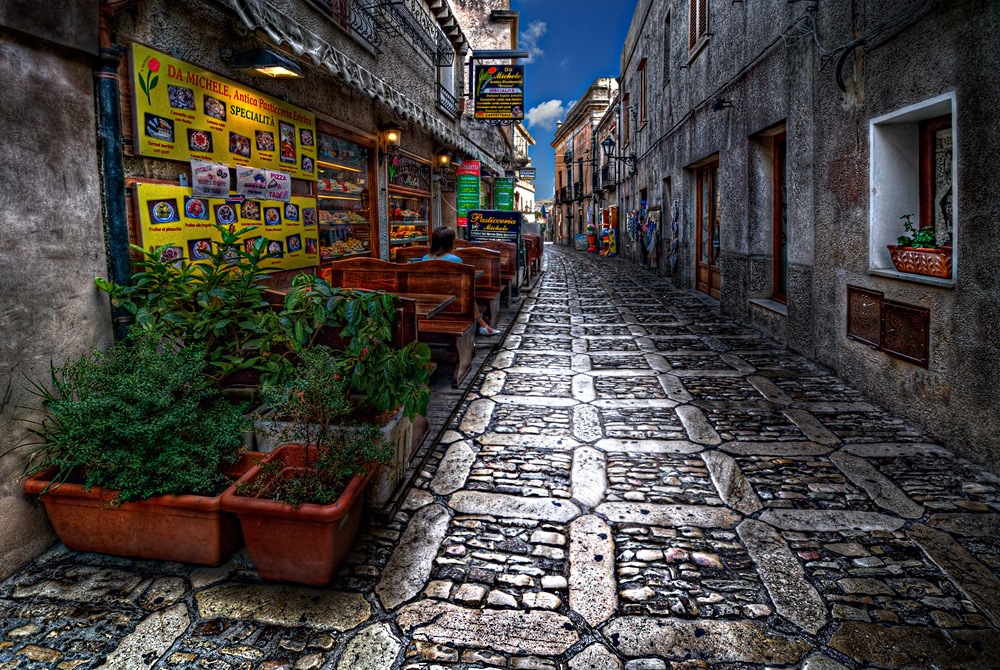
x=634, y=482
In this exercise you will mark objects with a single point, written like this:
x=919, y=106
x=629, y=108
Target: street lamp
x=608, y=145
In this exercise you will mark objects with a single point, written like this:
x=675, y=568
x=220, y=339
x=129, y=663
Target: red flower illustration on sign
x=151, y=79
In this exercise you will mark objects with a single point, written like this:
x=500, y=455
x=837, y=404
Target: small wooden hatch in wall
x=900, y=330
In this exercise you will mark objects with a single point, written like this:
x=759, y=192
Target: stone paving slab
x=633, y=482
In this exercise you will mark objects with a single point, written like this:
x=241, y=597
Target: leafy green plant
x=315, y=410
x=386, y=377
x=138, y=419
x=922, y=238
x=217, y=305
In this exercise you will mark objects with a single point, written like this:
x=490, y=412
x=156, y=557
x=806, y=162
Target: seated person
x=442, y=243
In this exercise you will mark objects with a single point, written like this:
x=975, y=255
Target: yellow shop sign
x=184, y=112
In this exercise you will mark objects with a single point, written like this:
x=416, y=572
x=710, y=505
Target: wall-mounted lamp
x=608, y=145
x=389, y=140
x=719, y=104
x=262, y=63
x=442, y=160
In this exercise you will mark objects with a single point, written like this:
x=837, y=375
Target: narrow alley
x=634, y=482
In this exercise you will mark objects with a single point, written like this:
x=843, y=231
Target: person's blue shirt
x=445, y=257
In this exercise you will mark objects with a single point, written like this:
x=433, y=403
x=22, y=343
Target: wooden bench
x=533, y=249
x=508, y=263
x=454, y=326
x=488, y=284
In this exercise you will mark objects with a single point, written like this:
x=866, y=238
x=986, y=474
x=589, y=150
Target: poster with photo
x=173, y=216
x=182, y=112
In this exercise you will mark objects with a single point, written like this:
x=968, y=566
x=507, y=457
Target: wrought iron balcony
x=446, y=102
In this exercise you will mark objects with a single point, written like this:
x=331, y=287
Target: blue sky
x=572, y=43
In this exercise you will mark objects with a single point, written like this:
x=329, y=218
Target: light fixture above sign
x=262, y=63
x=390, y=138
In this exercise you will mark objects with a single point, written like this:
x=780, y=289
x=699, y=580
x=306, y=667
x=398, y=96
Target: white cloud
x=529, y=40
x=545, y=115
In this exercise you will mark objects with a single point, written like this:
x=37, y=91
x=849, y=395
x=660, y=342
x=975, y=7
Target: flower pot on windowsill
x=182, y=528
x=304, y=544
x=927, y=261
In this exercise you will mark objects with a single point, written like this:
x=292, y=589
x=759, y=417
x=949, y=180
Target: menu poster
x=184, y=112
x=251, y=183
x=467, y=189
x=209, y=179
x=503, y=193
x=174, y=216
x=279, y=186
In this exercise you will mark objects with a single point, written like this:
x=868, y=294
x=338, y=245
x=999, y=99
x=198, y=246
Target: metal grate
x=406, y=18
x=864, y=315
x=900, y=330
x=906, y=332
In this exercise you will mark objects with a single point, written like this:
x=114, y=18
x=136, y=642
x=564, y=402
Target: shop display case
x=409, y=201
x=408, y=220
x=343, y=199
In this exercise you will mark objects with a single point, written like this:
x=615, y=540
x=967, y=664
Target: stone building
x=108, y=103
x=778, y=144
x=577, y=203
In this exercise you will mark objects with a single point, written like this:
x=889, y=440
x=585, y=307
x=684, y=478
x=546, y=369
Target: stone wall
x=773, y=67
x=51, y=231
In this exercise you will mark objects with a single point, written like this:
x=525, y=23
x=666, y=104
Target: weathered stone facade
x=64, y=222
x=770, y=73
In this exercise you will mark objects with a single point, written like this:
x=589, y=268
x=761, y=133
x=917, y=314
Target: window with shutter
x=697, y=23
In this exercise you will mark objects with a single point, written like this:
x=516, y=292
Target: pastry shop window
x=409, y=201
x=343, y=196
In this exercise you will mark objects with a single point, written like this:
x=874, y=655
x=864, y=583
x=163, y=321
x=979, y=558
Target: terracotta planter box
x=269, y=434
x=184, y=528
x=929, y=262
x=304, y=544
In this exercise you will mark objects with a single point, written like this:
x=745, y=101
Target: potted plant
x=301, y=506
x=216, y=304
x=133, y=451
x=387, y=385
x=918, y=252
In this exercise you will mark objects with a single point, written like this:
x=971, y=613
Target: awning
x=280, y=29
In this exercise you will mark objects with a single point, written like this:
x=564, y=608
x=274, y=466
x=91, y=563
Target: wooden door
x=709, y=278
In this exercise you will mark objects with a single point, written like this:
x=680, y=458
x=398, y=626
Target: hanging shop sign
x=503, y=193
x=527, y=174
x=184, y=112
x=499, y=92
x=466, y=189
x=491, y=224
x=406, y=172
x=174, y=216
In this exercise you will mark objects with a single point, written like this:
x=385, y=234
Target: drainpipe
x=112, y=169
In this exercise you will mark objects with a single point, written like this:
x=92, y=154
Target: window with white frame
x=913, y=172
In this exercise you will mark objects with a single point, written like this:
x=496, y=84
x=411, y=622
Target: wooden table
x=429, y=304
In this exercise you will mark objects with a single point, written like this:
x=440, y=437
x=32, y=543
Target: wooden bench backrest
x=508, y=252
x=407, y=254
x=369, y=273
x=457, y=279
x=486, y=260
x=533, y=244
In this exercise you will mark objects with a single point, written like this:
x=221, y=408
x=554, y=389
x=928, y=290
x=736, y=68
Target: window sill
x=916, y=279
x=779, y=308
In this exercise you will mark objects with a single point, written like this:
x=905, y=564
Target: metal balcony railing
x=446, y=102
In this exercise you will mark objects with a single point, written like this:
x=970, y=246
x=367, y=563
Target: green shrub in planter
x=139, y=420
